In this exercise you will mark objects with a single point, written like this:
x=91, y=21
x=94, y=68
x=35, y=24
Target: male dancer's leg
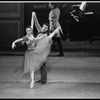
x=43, y=73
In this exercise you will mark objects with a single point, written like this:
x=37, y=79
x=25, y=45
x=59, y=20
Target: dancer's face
x=44, y=28
x=28, y=30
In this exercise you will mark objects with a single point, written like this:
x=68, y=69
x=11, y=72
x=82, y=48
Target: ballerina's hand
x=13, y=45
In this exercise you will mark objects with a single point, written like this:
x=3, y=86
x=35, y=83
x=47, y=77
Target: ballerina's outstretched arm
x=14, y=43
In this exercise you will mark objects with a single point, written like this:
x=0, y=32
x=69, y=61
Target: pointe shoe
x=31, y=85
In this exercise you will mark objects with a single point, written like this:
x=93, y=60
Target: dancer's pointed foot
x=31, y=85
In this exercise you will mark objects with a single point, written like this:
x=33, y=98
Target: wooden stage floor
x=76, y=75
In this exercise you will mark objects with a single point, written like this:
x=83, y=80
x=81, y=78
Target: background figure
x=78, y=11
x=54, y=16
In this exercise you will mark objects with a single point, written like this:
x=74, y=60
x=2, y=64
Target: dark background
x=14, y=17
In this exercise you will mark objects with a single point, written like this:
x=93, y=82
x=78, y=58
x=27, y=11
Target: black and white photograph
x=50, y=49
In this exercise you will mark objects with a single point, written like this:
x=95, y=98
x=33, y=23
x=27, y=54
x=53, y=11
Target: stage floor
x=76, y=75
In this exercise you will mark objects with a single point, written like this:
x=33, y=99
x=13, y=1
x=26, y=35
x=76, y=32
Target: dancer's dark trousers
x=43, y=72
x=59, y=42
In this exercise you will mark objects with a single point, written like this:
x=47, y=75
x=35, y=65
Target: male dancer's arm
x=55, y=32
x=35, y=20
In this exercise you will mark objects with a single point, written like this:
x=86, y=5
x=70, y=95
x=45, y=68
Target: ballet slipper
x=31, y=85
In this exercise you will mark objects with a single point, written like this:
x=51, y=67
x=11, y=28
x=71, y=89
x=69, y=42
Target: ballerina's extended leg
x=32, y=79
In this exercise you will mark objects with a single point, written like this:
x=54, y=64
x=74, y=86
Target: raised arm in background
x=35, y=20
